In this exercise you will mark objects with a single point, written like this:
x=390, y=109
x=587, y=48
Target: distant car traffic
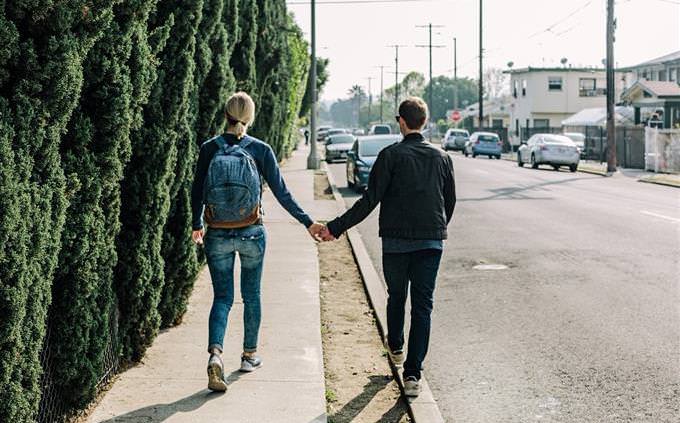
x=358, y=131
x=580, y=140
x=455, y=139
x=550, y=149
x=333, y=131
x=337, y=146
x=361, y=157
x=483, y=144
x=380, y=129
x=321, y=132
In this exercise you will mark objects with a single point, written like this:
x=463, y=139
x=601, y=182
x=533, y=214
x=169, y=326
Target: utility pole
x=313, y=159
x=370, y=98
x=611, y=90
x=429, y=88
x=481, y=81
x=382, y=69
x=396, y=76
x=455, y=74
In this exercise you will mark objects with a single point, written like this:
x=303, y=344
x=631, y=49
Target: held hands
x=320, y=232
x=197, y=237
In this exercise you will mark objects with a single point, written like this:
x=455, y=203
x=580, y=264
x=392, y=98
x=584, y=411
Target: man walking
x=414, y=184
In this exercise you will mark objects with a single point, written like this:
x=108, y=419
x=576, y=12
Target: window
x=514, y=88
x=588, y=88
x=541, y=123
x=672, y=75
x=662, y=75
x=497, y=123
x=554, y=83
x=644, y=74
x=517, y=127
x=524, y=88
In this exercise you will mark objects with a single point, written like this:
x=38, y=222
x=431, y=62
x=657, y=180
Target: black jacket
x=414, y=184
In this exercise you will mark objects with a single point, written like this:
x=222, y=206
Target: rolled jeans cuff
x=250, y=350
x=216, y=346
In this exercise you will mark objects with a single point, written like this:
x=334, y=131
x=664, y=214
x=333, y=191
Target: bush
x=43, y=47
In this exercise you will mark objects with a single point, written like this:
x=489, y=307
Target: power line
x=550, y=28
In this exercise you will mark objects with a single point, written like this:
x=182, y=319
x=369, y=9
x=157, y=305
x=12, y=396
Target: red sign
x=455, y=116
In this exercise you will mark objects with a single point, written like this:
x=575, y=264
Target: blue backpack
x=233, y=188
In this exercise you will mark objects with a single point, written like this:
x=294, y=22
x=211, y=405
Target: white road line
x=648, y=213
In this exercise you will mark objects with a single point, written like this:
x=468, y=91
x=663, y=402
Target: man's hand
x=197, y=237
x=315, y=230
x=326, y=235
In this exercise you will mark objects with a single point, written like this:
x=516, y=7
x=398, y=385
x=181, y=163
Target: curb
x=423, y=409
x=659, y=182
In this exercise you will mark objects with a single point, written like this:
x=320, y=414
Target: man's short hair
x=414, y=112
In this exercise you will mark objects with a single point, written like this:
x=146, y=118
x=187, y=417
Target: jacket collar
x=414, y=137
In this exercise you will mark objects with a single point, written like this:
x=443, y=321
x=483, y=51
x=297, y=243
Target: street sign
x=455, y=116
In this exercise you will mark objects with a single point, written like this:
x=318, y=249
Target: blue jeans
x=420, y=269
x=221, y=246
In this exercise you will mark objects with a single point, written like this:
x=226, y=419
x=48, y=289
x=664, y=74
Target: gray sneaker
x=412, y=386
x=216, y=380
x=251, y=363
x=396, y=356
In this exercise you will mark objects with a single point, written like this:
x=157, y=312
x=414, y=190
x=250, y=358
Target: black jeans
x=420, y=268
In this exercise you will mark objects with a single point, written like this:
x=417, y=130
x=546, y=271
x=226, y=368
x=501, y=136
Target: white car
x=550, y=149
x=455, y=139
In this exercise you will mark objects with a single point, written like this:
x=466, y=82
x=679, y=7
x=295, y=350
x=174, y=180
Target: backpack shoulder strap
x=221, y=142
x=245, y=142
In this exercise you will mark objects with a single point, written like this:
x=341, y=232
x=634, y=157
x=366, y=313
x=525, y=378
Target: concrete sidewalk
x=170, y=385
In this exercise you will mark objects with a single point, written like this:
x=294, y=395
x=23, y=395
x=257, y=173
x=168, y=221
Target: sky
x=355, y=35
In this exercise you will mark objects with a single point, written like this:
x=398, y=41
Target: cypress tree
x=206, y=115
x=43, y=44
x=148, y=184
x=94, y=151
x=243, y=59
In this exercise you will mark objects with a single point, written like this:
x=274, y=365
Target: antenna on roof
x=564, y=61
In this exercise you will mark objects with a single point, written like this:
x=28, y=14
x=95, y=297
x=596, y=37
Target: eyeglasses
x=397, y=118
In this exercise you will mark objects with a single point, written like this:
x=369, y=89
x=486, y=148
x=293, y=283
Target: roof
x=659, y=89
x=658, y=61
x=597, y=116
x=554, y=69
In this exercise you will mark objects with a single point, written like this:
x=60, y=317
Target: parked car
x=321, y=132
x=483, y=144
x=333, y=131
x=361, y=157
x=338, y=145
x=380, y=129
x=580, y=140
x=455, y=139
x=358, y=131
x=551, y=149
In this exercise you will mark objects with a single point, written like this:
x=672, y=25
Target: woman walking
x=226, y=193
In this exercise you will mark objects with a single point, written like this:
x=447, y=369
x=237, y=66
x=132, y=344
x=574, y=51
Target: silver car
x=550, y=149
x=338, y=145
x=455, y=139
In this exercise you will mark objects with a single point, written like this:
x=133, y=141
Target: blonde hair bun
x=240, y=112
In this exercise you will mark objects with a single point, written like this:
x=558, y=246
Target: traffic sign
x=455, y=116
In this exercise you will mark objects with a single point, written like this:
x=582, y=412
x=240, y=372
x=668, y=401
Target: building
x=544, y=97
x=496, y=113
x=665, y=69
x=654, y=92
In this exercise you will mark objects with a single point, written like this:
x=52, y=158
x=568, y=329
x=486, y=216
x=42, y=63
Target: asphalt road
x=583, y=326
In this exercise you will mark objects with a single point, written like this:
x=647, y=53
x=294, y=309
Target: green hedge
x=103, y=104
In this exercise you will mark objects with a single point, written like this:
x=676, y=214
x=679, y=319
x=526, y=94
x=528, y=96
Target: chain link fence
x=52, y=407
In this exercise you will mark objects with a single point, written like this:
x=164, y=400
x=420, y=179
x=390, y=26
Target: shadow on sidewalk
x=157, y=413
x=376, y=384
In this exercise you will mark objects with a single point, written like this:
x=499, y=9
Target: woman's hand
x=197, y=237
